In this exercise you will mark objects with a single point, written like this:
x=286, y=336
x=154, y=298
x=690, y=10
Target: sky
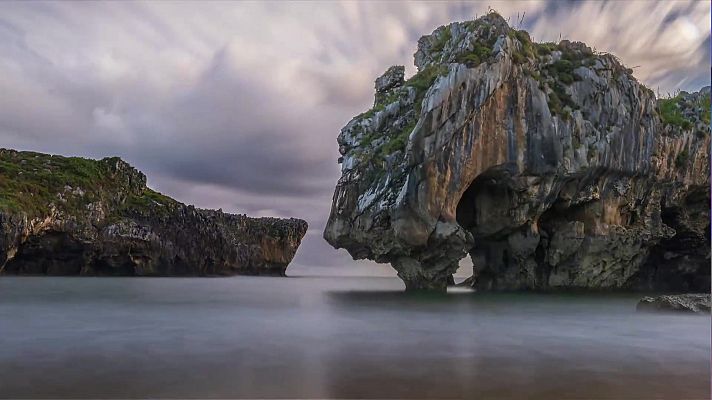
x=238, y=105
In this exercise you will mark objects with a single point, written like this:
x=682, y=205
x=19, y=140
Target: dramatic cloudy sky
x=238, y=105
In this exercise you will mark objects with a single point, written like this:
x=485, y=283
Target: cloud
x=238, y=105
x=665, y=42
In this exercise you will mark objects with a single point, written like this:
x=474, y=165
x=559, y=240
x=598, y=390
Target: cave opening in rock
x=52, y=253
x=681, y=261
x=117, y=265
x=484, y=207
x=484, y=210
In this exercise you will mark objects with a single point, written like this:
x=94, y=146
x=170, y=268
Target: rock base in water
x=697, y=303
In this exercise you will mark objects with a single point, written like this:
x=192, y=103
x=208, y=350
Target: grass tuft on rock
x=682, y=158
x=671, y=114
x=442, y=39
x=32, y=183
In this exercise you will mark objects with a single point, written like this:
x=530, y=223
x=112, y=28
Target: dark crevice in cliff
x=682, y=261
x=485, y=202
x=117, y=266
x=483, y=210
x=53, y=253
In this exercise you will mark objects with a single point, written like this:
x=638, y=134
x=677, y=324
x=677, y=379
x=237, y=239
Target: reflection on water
x=336, y=337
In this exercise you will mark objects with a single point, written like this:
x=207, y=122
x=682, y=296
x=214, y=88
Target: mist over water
x=341, y=337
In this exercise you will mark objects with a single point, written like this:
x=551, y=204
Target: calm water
x=336, y=337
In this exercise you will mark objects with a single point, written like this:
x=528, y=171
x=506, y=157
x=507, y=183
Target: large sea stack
x=549, y=163
x=74, y=216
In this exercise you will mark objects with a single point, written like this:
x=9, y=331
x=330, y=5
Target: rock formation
x=547, y=162
x=73, y=216
x=698, y=303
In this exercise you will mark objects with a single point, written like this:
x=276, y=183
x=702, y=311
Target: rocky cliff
x=73, y=216
x=547, y=162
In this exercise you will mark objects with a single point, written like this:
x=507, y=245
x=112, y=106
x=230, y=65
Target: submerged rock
x=548, y=163
x=73, y=216
x=698, y=303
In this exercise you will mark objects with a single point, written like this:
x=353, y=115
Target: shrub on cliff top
x=671, y=114
x=421, y=82
x=526, y=47
x=30, y=182
x=543, y=49
x=706, y=109
x=425, y=78
x=442, y=39
x=476, y=56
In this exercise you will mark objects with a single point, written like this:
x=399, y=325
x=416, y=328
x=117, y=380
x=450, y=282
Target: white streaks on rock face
x=548, y=163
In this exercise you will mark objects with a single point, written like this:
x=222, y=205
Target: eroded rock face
x=697, y=303
x=72, y=216
x=549, y=164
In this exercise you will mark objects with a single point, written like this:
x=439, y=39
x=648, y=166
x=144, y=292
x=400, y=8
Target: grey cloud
x=663, y=38
x=232, y=131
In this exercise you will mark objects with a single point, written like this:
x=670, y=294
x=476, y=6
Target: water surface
x=309, y=337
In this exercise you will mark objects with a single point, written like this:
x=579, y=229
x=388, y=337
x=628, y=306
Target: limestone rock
x=393, y=77
x=698, y=303
x=73, y=216
x=549, y=164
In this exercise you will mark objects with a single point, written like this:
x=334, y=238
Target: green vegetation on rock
x=482, y=48
x=670, y=112
x=396, y=141
x=544, y=49
x=559, y=74
x=425, y=78
x=556, y=75
x=682, y=159
x=33, y=182
x=526, y=50
x=475, y=57
x=442, y=40
x=421, y=82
